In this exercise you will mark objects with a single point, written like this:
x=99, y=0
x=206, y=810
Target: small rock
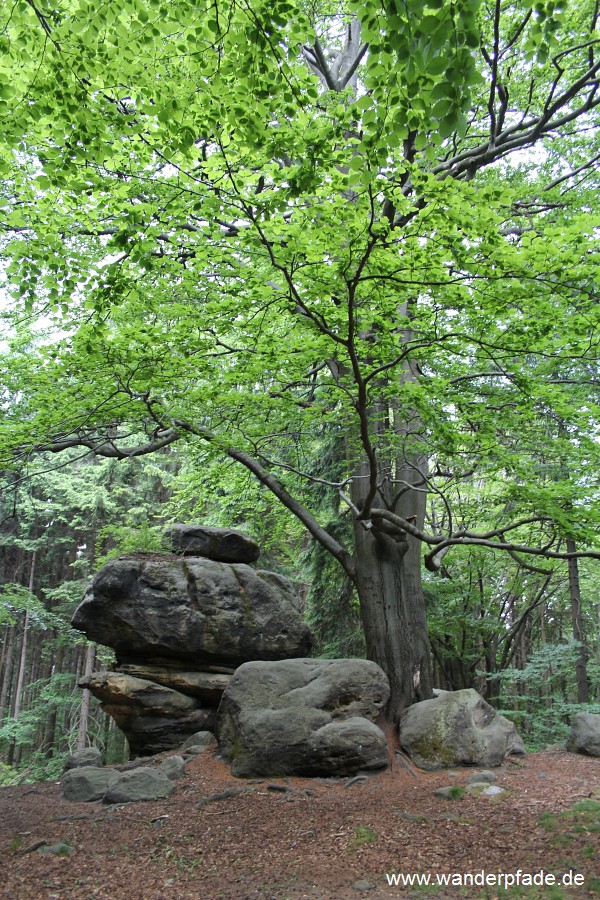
x=199, y=742
x=475, y=788
x=492, y=790
x=481, y=777
x=362, y=885
x=173, y=767
x=60, y=849
x=412, y=817
x=452, y=792
x=358, y=779
x=483, y=789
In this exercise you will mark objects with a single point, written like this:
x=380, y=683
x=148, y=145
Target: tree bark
x=392, y=604
x=21, y=675
x=82, y=733
x=583, y=688
x=393, y=616
x=7, y=670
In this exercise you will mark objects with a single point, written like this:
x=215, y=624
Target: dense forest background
x=527, y=638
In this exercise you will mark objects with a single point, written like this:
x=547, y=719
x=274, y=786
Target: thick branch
x=470, y=538
x=282, y=494
x=107, y=447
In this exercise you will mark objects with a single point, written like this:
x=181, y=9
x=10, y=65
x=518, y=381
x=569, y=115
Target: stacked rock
x=180, y=623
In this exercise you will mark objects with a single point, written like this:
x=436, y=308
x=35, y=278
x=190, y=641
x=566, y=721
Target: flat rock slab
x=194, y=610
x=303, y=717
x=207, y=687
x=484, y=776
x=457, y=728
x=220, y=544
x=154, y=718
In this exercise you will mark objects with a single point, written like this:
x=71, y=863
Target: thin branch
x=572, y=174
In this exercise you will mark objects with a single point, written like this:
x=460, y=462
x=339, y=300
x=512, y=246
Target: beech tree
x=257, y=226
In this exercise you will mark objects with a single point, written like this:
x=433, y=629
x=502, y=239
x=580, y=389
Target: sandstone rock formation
x=220, y=544
x=192, y=610
x=585, y=734
x=153, y=718
x=457, y=728
x=180, y=625
x=303, y=717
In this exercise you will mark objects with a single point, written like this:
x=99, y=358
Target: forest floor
x=322, y=839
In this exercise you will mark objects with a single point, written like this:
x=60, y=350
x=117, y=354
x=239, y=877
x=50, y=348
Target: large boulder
x=153, y=718
x=457, y=728
x=86, y=783
x=90, y=756
x=141, y=784
x=585, y=734
x=194, y=610
x=303, y=717
x=220, y=544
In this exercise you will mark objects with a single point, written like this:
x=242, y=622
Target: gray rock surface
x=457, y=728
x=192, y=610
x=220, y=544
x=140, y=784
x=449, y=792
x=199, y=742
x=154, y=718
x=303, y=717
x=173, y=767
x=86, y=783
x=91, y=756
x=585, y=734
x=483, y=776
x=206, y=686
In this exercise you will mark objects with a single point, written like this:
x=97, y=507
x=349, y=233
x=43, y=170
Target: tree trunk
x=393, y=616
x=82, y=734
x=388, y=568
x=50, y=725
x=21, y=675
x=7, y=670
x=583, y=689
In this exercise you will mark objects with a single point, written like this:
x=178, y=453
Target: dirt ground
x=323, y=839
